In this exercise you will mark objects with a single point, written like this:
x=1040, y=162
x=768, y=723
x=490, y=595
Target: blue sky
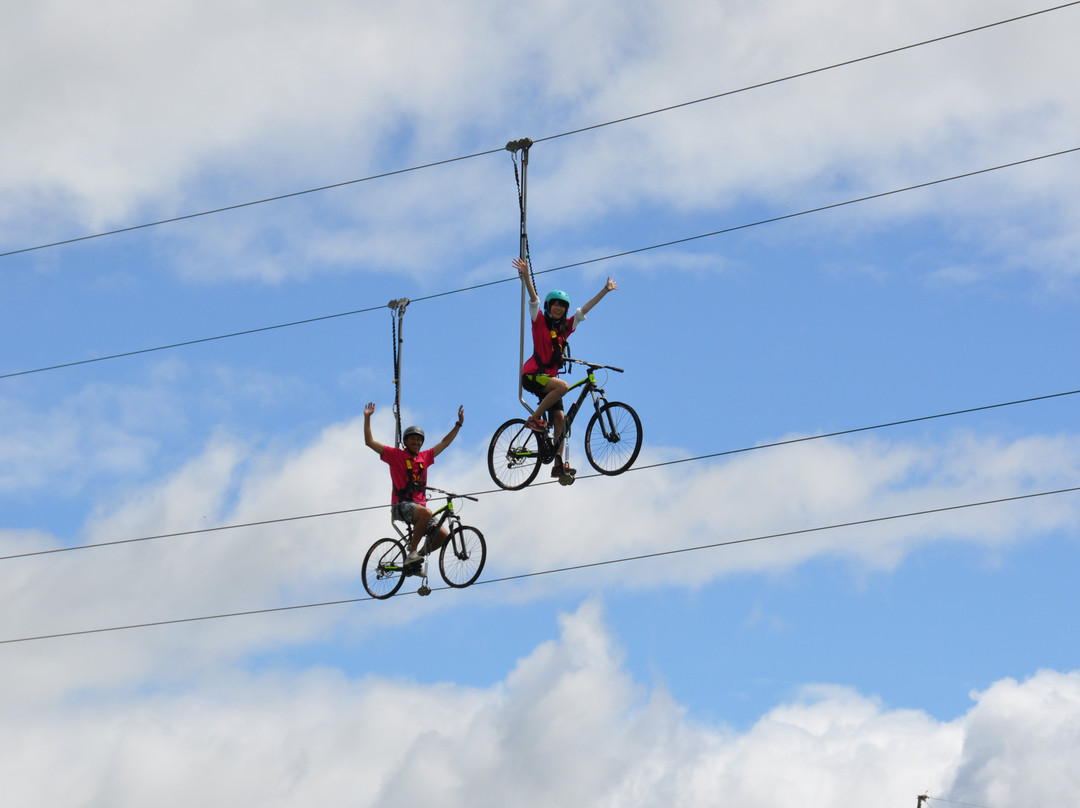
x=859, y=665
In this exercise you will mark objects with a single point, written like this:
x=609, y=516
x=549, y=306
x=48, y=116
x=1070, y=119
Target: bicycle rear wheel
x=462, y=558
x=514, y=455
x=383, y=571
x=613, y=439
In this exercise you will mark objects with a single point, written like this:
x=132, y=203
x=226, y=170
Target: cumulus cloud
x=100, y=430
x=798, y=488
x=1014, y=740
x=103, y=432
x=127, y=113
x=567, y=724
x=741, y=503
x=192, y=106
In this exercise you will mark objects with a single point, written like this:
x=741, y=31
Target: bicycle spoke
x=462, y=558
x=513, y=455
x=383, y=572
x=613, y=438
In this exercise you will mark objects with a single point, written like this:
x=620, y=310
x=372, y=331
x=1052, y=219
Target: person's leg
x=558, y=424
x=551, y=399
x=437, y=541
x=554, y=390
x=421, y=518
x=559, y=468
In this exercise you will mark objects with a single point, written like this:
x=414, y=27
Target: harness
x=416, y=480
x=560, y=349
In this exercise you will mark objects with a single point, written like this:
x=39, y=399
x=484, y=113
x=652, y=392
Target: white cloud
x=567, y=724
x=163, y=94
x=292, y=562
x=102, y=432
x=1015, y=739
x=133, y=113
x=791, y=488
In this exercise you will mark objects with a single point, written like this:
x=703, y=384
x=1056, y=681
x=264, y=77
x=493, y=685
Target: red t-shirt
x=542, y=346
x=405, y=466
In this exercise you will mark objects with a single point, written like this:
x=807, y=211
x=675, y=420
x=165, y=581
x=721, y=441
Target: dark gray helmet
x=412, y=430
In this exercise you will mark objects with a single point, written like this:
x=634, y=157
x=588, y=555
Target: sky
x=841, y=571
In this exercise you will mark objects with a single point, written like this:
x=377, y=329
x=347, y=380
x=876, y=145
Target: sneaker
x=413, y=558
x=560, y=469
x=536, y=425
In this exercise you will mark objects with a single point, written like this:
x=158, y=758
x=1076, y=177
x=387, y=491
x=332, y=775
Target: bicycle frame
x=588, y=386
x=460, y=560
x=443, y=515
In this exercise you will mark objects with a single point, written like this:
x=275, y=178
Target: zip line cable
x=572, y=568
x=190, y=342
x=820, y=209
x=580, y=130
x=589, y=565
x=811, y=72
x=713, y=455
x=585, y=262
x=954, y=802
x=253, y=203
x=853, y=431
x=179, y=533
x=783, y=534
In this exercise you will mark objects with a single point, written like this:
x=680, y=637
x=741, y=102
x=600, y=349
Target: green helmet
x=556, y=294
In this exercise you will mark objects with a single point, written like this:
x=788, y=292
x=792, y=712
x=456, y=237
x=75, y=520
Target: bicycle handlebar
x=593, y=365
x=451, y=496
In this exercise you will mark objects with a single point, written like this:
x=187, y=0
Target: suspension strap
x=397, y=333
x=513, y=147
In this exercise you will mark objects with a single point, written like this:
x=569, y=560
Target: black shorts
x=535, y=384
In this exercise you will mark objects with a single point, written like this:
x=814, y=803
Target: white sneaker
x=413, y=558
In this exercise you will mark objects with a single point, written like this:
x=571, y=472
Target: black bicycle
x=612, y=438
x=461, y=559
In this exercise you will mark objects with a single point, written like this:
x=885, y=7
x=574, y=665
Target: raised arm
x=370, y=441
x=522, y=267
x=610, y=286
x=438, y=447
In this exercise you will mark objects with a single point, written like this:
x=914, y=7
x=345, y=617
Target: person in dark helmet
x=540, y=374
x=408, y=476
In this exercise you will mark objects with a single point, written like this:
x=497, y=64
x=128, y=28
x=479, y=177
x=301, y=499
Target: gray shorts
x=404, y=512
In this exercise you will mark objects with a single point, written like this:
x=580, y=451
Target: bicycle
x=612, y=438
x=461, y=559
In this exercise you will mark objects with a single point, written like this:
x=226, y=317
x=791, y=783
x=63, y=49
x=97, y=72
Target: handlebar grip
x=593, y=365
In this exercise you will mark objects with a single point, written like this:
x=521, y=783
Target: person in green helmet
x=540, y=374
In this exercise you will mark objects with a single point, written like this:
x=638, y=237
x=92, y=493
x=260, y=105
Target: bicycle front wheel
x=462, y=558
x=514, y=455
x=383, y=571
x=613, y=439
